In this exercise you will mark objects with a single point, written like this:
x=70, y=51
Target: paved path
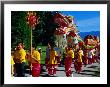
x=87, y=71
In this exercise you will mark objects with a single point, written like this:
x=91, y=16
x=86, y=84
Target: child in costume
x=85, y=57
x=52, y=62
x=58, y=50
x=40, y=51
x=78, y=61
x=68, y=61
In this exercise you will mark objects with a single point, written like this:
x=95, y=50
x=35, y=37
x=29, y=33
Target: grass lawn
x=43, y=53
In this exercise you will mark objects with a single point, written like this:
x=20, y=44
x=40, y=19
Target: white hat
x=39, y=48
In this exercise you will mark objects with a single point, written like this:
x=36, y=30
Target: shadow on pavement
x=89, y=71
x=60, y=70
x=92, y=66
x=46, y=75
x=88, y=74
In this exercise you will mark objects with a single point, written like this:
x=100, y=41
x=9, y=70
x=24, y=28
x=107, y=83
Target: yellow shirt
x=93, y=52
x=12, y=61
x=19, y=56
x=36, y=56
x=80, y=54
x=70, y=53
x=52, y=57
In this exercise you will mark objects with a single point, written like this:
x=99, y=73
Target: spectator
x=19, y=59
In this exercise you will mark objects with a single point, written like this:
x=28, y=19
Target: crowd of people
x=54, y=57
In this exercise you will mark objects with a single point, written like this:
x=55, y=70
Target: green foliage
x=43, y=33
x=20, y=32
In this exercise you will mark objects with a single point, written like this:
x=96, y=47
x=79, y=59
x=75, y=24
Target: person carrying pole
x=35, y=62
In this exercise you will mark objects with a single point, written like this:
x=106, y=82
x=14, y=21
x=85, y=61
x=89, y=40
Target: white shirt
x=75, y=40
x=90, y=54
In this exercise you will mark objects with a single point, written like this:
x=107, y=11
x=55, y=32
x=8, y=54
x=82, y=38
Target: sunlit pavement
x=87, y=71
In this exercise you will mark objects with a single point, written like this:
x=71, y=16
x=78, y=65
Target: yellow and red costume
x=36, y=68
x=68, y=62
x=78, y=62
x=85, y=57
x=52, y=62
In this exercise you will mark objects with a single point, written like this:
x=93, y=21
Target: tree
x=43, y=33
x=20, y=32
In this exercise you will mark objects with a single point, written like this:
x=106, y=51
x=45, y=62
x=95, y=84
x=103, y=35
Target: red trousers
x=90, y=60
x=93, y=59
x=78, y=66
x=96, y=58
x=52, y=69
x=58, y=59
x=36, y=69
x=68, y=62
x=85, y=60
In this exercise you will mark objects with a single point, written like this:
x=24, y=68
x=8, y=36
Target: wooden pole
x=31, y=51
x=29, y=14
x=31, y=41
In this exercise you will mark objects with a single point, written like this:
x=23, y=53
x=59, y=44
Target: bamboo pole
x=31, y=42
x=31, y=51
